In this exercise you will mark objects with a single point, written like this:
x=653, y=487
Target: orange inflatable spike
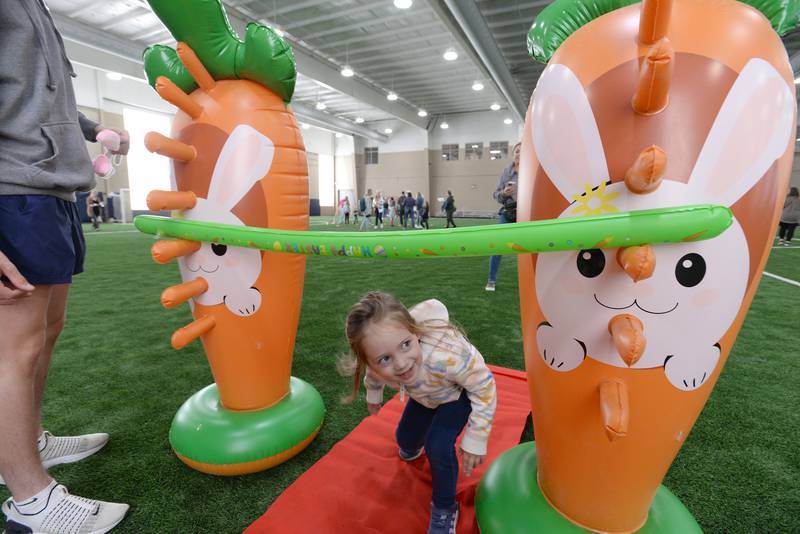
x=166, y=250
x=178, y=294
x=654, y=20
x=638, y=261
x=158, y=200
x=655, y=76
x=173, y=94
x=195, y=67
x=190, y=332
x=646, y=173
x=628, y=334
x=160, y=144
x=614, y=408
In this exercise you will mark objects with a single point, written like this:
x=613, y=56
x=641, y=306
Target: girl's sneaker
x=443, y=520
x=55, y=511
x=409, y=456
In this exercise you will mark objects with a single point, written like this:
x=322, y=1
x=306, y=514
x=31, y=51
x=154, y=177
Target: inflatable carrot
x=238, y=158
x=652, y=105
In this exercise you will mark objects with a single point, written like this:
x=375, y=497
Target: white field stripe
x=782, y=279
x=112, y=232
x=783, y=246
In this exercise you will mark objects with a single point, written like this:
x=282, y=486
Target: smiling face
x=392, y=352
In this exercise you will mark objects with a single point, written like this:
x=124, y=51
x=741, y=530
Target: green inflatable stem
x=562, y=18
x=509, y=501
x=263, y=56
x=663, y=225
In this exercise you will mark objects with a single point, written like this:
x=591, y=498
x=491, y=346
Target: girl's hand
x=470, y=461
x=373, y=408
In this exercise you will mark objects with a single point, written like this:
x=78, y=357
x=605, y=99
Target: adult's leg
x=782, y=228
x=790, y=232
x=448, y=422
x=413, y=426
x=21, y=345
x=56, y=315
x=494, y=261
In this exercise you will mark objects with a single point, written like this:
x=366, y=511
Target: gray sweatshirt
x=42, y=149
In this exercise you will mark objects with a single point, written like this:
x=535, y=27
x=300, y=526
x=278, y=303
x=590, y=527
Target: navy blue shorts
x=43, y=238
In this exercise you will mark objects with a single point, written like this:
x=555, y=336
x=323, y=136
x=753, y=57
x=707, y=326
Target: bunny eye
x=690, y=270
x=591, y=262
x=219, y=250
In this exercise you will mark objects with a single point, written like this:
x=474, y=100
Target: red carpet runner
x=362, y=487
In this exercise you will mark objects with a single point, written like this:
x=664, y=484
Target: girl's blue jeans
x=436, y=429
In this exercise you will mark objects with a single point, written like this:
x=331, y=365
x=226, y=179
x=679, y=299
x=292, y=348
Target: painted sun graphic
x=594, y=201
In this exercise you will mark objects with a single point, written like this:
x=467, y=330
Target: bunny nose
x=628, y=334
x=638, y=261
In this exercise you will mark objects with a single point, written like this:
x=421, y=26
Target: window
x=371, y=155
x=146, y=170
x=473, y=151
x=450, y=152
x=498, y=150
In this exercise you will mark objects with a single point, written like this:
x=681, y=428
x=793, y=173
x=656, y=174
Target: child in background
x=424, y=355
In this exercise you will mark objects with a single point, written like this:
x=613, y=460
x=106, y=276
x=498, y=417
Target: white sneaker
x=62, y=513
x=490, y=286
x=55, y=450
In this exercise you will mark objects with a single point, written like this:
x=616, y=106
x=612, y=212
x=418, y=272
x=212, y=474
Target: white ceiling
x=389, y=49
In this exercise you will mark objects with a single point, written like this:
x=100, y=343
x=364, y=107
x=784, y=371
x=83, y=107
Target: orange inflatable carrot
x=623, y=348
x=238, y=158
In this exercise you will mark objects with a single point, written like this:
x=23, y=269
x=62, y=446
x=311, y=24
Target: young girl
x=421, y=353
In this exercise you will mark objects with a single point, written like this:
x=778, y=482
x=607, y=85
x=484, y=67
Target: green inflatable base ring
x=206, y=433
x=509, y=501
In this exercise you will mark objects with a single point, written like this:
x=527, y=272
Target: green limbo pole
x=664, y=225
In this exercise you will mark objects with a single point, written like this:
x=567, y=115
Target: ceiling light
x=338, y=135
x=116, y=76
x=477, y=86
x=422, y=113
x=321, y=105
x=305, y=126
x=450, y=55
x=387, y=131
x=474, y=146
x=359, y=120
x=495, y=107
x=507, y=121
x=347, y=72
x=444, y=126
x=402, y=4
x=391, y=96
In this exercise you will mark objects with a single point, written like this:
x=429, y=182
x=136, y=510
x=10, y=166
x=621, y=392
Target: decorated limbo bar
x=669, y=225
x=237, y=158
x=652, y=105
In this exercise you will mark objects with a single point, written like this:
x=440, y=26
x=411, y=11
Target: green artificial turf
x=114, y=371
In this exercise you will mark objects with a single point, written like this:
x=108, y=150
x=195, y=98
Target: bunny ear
x=244, y=160
x=753, y=128
x=565, y=133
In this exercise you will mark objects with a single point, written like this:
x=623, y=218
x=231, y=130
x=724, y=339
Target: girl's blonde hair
x=375, y=307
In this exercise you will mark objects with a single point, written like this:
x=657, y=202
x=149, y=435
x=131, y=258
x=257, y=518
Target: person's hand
x=124, y=139
x=373, y=408
x=509, y=189
x=470, y=461
x=13, y=285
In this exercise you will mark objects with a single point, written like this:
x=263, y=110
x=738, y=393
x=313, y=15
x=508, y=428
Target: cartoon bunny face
x=230, y=272
x=697, y=288
x=691, y=298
